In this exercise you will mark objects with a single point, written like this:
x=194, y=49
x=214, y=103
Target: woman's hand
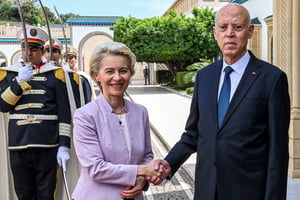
x=132, y=191
x=164, y=167
x=150, y=169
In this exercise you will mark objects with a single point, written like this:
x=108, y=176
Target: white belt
x=31, y=117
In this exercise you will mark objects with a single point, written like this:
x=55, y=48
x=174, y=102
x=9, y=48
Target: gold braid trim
x=24, y=85
x=60, y=74
x=25, y=122
x=3, y=74
x=38, y=78
x=9, y=97
x=29, y=105
x=32, y=145
x=65, y=129
x=76, y=78
x=34, y=92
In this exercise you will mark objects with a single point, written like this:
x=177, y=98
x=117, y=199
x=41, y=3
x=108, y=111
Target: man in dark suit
x=242, y=153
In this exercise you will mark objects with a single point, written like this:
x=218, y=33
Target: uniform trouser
x=34, y=173
x=216, y=195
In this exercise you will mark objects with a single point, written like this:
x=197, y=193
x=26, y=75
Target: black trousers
x=34, y=173
x=216, y=195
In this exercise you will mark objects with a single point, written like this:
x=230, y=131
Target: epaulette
x=60, y=74
x=76, y=78
x=3, y=74
x=14, y=68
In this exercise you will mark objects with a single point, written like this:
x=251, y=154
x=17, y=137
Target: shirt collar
x=239, y=66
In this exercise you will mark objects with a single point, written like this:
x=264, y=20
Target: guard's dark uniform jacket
x=81, y=89
x=39, y=110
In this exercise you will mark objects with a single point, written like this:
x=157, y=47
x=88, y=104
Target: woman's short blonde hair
x=110, y=48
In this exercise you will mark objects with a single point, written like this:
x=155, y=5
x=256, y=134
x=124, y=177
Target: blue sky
x=126, y=8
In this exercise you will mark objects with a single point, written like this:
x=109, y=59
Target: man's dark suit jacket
x=247, y=157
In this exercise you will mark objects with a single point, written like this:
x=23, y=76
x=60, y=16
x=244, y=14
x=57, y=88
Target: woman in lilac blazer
x=112, y=134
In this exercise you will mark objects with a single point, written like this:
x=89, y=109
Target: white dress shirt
x=236, y=75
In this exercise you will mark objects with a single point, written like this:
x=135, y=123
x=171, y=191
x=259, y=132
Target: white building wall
x=261, y=10
x=9, y=50
x=79, y=32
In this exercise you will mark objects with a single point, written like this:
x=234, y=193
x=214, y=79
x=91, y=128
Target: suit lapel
x=213, y=88
x=251, y=73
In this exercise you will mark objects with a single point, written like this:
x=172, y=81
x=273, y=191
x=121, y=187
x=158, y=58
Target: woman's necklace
x=120, y=112
x=121, y=120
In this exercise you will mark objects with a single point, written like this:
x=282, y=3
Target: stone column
x=294, y=170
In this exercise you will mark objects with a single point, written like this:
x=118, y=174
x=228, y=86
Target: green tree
x=190, y=77
x=8, y=12
x=65, y=17
x=5, y=8
x=50, y=16
x=31, y=14
x=175, y=40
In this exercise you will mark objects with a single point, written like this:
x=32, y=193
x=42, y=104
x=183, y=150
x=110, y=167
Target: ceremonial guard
x=76, y=100
x=70, y=57
x=35, y=96
x=55, y=54
x=54, y=57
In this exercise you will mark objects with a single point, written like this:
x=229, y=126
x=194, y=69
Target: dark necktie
x=224, y=95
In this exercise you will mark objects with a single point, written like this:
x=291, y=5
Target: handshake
x=155, y=171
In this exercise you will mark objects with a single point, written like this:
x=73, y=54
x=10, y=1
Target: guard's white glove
x=52, y=63
x=25, y=73
x=62, y=157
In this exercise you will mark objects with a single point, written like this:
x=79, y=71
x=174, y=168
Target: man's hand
x=62, y=157
x=25, y=73
x=149, y=169
x=158, y=166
